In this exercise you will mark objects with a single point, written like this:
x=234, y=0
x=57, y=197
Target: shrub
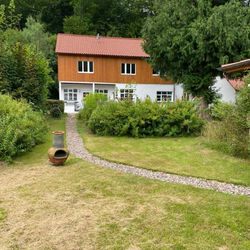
x=145, y=118
x=24, y=73
x=229, y=131
x=55, y=107
x=21, y=128
x=90, y=103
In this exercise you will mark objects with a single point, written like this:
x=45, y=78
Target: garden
x=84, y=205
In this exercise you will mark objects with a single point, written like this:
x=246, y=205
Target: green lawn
x=184, y=156
x=83, y=206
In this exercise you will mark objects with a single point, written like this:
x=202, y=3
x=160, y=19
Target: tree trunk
x=204, y=109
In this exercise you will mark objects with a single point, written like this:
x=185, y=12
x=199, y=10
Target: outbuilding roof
x=99, y=45
x=234, y=65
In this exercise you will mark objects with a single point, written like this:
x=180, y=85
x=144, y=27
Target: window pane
x=65, y=97
x=65, y=90
x=85, y=66
x=70, y=90
x=80, y=66
x=123, y=68
x=106, y=91
x=91, y=68
x=128, y=68
x=70, y=96
x=133, y=68
x=75, y=97
x=75, y=90
x=122, y=90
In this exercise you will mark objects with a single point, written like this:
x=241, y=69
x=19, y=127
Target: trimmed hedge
x=21, y=128
x=55, y=107
x=146, y=118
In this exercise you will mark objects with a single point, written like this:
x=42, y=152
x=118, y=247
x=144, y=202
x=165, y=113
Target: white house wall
x=224, y=88
x=149, y=90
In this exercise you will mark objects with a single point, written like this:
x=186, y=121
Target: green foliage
x=34, y=33
x=220, y=110
x=20, y=127
x=55, y=112
x=140, y=119
x=229, y=132
x=108, y=17
x=24, y=74
x=187, y=40
x=55, y=108
x=90, y=103
x=3, y=214
x=8, y=17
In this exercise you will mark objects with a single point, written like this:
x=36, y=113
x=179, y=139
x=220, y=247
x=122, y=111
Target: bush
x=229, y=131
x=145, y=118
x=24, y=73
x=90, y=103
x=55, y=108
x=20, y=127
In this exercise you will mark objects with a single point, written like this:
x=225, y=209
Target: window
x=156, y=73
x=103, y=91
x=84, y=94
x=126, y=94
x=70, y=94
x=85, y=67
x=164, y=96
x=128, y=68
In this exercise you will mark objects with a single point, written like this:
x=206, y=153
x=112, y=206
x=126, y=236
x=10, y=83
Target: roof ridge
x=107, y=37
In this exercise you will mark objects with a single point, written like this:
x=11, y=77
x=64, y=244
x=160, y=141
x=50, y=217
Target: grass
x=184, y=156
x=83, y=206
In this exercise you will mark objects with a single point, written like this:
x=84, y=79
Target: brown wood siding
x=106, y=69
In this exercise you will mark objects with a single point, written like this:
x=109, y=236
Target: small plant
x=55, y=112
x=55, y=108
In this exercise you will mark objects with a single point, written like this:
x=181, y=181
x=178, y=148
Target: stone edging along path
x=76, y=147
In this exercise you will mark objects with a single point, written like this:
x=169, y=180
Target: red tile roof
x=236, y=83
x=104, y=46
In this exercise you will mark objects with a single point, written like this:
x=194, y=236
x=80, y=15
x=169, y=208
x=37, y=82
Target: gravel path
x=76, y=147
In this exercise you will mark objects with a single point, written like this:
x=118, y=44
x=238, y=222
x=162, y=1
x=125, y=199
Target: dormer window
x=85, y=67
x=128, y=69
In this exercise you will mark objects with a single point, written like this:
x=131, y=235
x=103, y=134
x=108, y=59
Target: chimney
x=98, y=36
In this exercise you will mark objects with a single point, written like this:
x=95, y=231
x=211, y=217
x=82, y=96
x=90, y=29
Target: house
x=114, y=66
x=232, y=81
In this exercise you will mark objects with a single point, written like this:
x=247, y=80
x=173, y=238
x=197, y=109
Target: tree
x=108, y=17
x=24, y=73
x=8, y=17
x=34, y=33
x=187, y=40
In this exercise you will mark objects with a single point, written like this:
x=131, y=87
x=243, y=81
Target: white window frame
x=128, y=94
x=88, y=67
x=167, y=95
x=67, y=92
x=125, y=68
x=102, y=91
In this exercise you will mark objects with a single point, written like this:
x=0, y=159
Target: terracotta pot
x=58, y=154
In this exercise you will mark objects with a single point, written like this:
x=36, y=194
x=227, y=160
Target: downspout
x=174, y=91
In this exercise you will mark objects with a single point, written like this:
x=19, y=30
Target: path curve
x=76, y=147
